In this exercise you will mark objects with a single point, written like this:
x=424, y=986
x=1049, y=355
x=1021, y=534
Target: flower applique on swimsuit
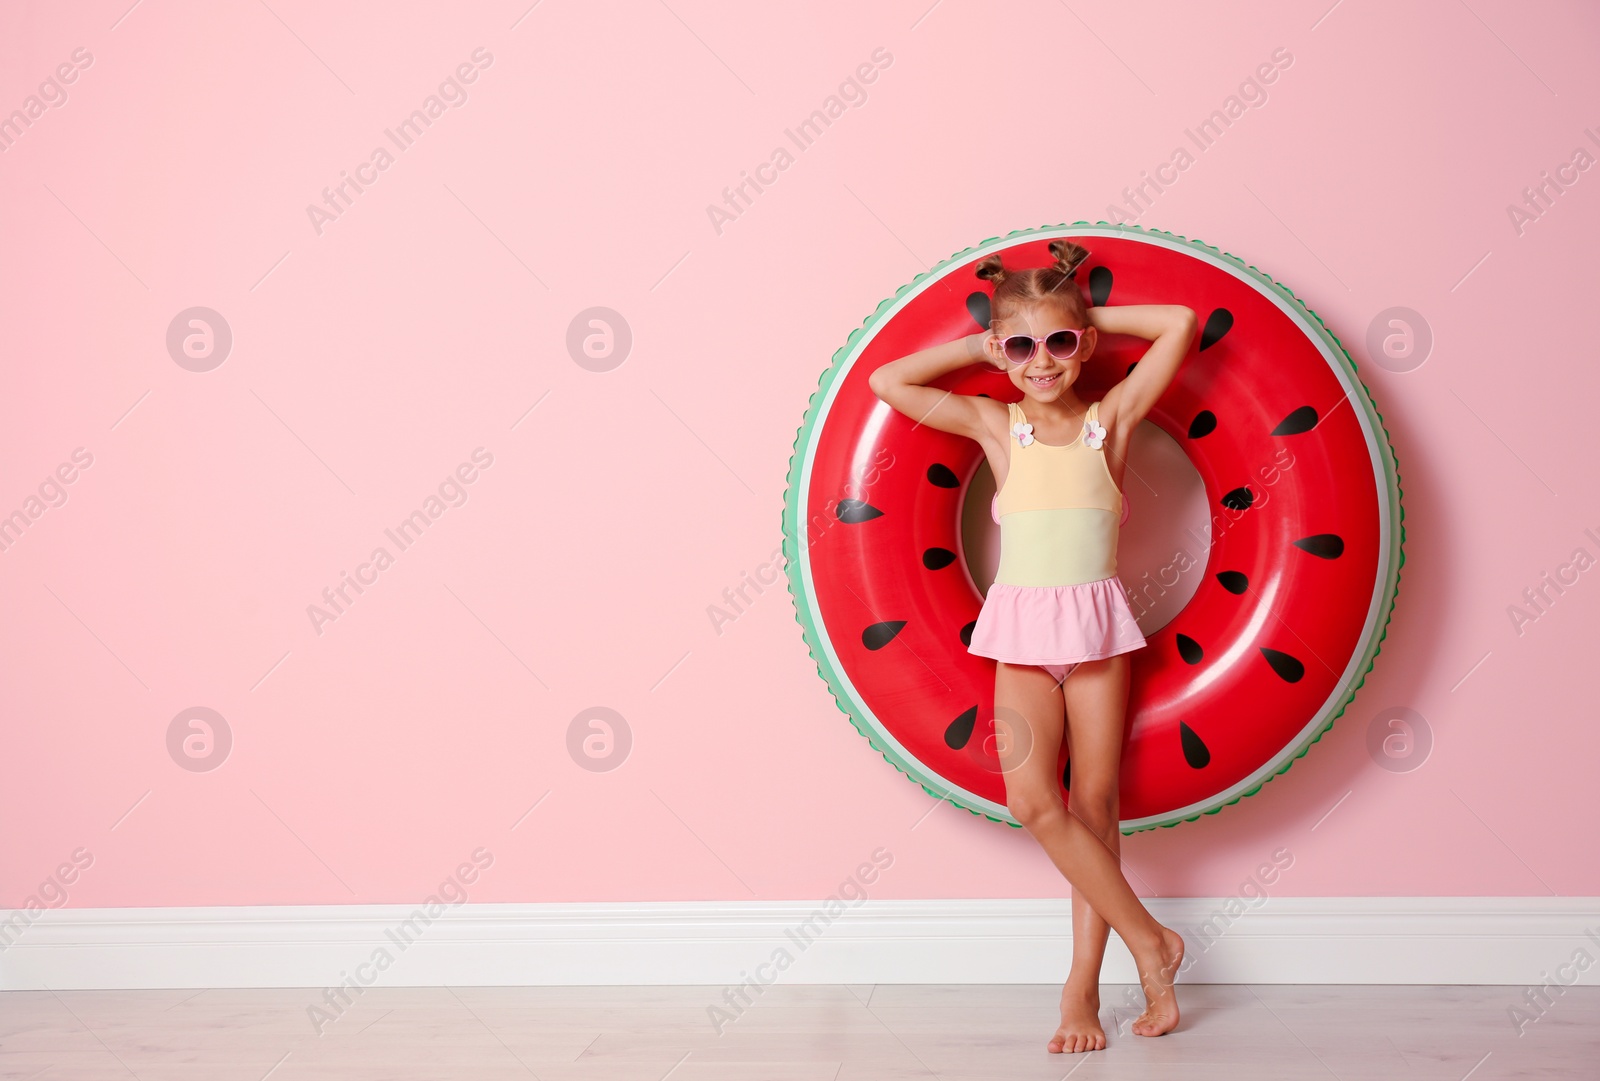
x=1094, y=434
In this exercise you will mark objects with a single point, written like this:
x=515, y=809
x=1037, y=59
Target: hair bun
x=1069, y=257
x=991, y=269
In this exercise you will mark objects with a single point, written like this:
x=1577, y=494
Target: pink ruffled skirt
x=1056, y=625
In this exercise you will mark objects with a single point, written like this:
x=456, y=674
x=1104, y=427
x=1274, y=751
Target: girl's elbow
x=1189, y=323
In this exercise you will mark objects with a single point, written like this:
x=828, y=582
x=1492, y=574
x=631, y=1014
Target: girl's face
x=1044, y=378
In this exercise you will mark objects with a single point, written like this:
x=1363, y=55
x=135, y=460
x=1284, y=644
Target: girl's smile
x=1048, y=381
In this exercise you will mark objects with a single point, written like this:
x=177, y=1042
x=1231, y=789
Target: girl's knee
x=1096, y=808
x=1030, y=806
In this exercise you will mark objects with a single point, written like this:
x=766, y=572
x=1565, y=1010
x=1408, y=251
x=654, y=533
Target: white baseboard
x=1427, y=940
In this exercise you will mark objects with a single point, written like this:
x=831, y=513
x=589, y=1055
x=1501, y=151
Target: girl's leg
x=1029, y=726
x=1096, y=699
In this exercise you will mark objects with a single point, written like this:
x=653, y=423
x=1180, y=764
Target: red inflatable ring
x=1297, y=590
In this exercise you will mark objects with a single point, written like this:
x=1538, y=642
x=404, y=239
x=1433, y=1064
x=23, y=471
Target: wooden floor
x=792, y=1032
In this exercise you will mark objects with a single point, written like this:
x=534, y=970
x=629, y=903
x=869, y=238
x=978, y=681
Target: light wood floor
x=793, y=1033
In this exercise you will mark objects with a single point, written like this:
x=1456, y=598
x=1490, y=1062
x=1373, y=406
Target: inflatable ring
x=1300, y=572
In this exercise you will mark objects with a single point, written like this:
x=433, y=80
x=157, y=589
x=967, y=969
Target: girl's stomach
x=1061, y=547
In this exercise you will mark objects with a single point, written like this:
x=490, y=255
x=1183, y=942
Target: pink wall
x=371, y=760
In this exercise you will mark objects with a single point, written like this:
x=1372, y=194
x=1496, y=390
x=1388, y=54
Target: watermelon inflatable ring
x=1296, y=592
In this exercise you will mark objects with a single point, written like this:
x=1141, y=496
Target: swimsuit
x=1056, y=600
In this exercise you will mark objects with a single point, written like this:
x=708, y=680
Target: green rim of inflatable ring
x=791, y=533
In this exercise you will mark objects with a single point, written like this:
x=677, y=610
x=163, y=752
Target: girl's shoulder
x=996, y=415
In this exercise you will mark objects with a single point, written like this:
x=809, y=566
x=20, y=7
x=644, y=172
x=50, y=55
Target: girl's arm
x=1170, y=329
x=903, y=384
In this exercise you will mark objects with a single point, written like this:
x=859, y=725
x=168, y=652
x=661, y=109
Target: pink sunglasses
x=1019, y=349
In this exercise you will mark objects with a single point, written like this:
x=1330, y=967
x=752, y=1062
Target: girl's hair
x=1014, y=289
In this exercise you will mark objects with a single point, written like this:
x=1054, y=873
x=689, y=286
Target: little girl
x=1056, y=608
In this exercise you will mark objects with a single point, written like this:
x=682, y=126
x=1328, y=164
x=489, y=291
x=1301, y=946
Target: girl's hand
x=978, y=346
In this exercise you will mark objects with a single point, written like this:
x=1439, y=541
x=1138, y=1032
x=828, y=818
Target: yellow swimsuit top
x=1059, y=510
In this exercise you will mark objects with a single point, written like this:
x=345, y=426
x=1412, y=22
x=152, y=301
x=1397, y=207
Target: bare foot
x=1156, y=975
x=1080, y=1021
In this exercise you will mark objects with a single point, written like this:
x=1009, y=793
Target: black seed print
x=1220, y=323
x=966, y=633
x=936, y=559
x=1066, y=776
x=1099, y=285
x=1239, y=498
x=853, y=511
x=1190, y=650
x=1286, y=666
x=978, y=308
x=1235, y=582
x=1195, y=751
x=942, y=476
x=1131, y=367
x=879, y=635
x=1326, y=545
x=1204, y=423
x=1301, y=420
x=959, y=731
